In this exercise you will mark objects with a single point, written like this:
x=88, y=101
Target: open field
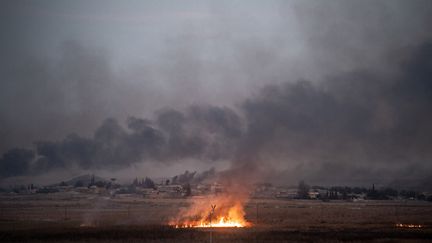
x=68, y=217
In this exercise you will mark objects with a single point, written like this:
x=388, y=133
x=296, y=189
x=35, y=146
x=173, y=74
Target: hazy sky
x=66, y=66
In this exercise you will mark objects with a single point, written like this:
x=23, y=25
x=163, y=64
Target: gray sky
x=66, y=66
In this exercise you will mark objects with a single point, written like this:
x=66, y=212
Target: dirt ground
x=72, y=217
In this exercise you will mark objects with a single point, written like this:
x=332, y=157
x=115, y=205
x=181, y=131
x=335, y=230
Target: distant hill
x=85, y=179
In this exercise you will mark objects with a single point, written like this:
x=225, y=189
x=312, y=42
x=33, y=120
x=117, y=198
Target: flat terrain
x=72, y=217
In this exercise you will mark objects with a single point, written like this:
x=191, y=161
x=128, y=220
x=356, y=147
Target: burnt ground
x=92, y=218
x=168, y=234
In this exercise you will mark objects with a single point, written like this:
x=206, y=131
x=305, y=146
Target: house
x=286, y=193
x=170, y=191
x=314, y=194
x=217, y=188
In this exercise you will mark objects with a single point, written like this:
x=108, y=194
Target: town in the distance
x=203, y=184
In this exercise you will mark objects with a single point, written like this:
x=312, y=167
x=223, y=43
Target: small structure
x=217, y=188
x=170, y=191
x=287, y=193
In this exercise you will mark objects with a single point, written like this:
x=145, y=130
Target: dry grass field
x=72, y=217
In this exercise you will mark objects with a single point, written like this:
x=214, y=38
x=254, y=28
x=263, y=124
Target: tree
x=188, y=190
x=148, y=183
x=100, y=184
x=92, y=181
x=174, y=180
x=79, y=184
x=303, y=190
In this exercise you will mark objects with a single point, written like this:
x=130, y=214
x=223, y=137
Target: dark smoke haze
x=332, y=92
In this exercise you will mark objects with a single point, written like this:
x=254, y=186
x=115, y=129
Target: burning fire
x=223, y=222
x=212, y=216
x=409, y=226
x=224, y=208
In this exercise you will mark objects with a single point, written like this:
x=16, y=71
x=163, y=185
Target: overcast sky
x=67, y=66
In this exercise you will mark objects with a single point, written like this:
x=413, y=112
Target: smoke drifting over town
x=330, y=93
x=206, y=133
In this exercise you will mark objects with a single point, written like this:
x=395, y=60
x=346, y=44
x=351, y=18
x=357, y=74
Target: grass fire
x=221, y=215
x=215, y=121
x=234, y=218
x=409, y=226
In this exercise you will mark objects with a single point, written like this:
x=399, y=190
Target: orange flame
x=221, y=223
x=409, y=226
x=201, y=215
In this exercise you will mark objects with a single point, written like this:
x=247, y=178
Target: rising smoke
x=360, y=114
x=355, y=126
x=205, y=133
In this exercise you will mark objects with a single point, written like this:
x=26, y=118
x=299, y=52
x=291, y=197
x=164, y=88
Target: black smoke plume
x=206, y=133
x=352, y=127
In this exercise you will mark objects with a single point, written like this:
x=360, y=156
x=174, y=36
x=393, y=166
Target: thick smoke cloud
x=207, y=133
x=194, y=177
x=16, y=162
x=69, y=65
x=360, y=111
x=352, y=128
x=39, y=94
